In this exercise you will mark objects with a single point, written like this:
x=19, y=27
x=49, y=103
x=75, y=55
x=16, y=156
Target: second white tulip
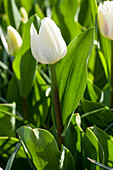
x=105, y=19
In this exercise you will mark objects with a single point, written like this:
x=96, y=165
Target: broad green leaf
x=25, y=47
x=99, y=150
x=28, y=70
x=96, y=113
x=6, y=110
x=59, y=20
x=72, y=73
x=80, y=145
x=14, y=17
x=42, y=147
x=88, y=13
x=24, y=64
x=44, y=150
x=71, y=17
x=107, y=143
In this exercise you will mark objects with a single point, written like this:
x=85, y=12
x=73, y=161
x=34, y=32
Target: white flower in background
x=14, y=40
x=24, y=14
x=105, y=19
x=48, y=47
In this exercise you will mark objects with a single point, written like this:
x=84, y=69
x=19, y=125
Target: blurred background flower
x=14, y=40
x=105, y=19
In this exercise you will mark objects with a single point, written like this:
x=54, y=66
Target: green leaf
x=38, y=102
x=28, y=70
x=59, y=20
x=38, y=11
x=80, y=145
x=42, y=147
x=44, y=150
x=104, y=63
x=92, y=92
x=27, y=5
x=99, y=150
x=13, y=93
x=96, y=113
x=105, y=48
x=72, y=73
x=25, y=47
x=7, y=113
x=14, y=17
x=107, y=144
x=69, y=17
x=67, y=161
x=97, y=68
x=87, y=14
x=24, y=65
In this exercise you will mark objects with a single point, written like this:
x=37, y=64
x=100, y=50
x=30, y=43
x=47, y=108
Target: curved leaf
x=72, y=73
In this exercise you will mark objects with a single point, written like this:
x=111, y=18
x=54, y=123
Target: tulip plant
x=56, y=84
x=105, y=19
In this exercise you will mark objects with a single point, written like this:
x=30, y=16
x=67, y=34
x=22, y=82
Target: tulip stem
x=24, y=107
x=111, y=100
x=56, y=105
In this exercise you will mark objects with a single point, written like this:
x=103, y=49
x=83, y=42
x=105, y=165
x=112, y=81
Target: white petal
x=62, y=54
x=34, y=44
x=48, y=41
x=56, y=34
x=33, y=30
x=107, y=5
x=102, y=9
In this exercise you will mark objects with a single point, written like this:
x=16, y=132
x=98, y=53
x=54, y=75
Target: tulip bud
x=105, y=19
x=48, y=46
x=14, y=40
x=24, y=14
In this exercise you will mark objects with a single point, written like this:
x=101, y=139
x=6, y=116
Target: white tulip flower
x=48, y=46
x=105, y=19
x=14, y=40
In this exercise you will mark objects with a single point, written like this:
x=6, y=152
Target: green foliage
x=13, y=15
x=7, y=117
x=28, y=128
x=44, y=150
x=72, y=74
x=7, y=146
